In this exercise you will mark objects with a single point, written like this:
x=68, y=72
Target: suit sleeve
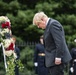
x=35, y=54
x=57, y=34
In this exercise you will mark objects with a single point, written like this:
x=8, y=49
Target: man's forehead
x=38, y=22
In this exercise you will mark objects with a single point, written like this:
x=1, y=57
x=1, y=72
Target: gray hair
x=38, y=16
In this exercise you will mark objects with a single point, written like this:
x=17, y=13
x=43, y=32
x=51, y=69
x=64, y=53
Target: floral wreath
x=8, y=46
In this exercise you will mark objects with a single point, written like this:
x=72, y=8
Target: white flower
x=74, y=40
x=2, y=33
x=4, y=19
x=7, y=43
x=10, y=32
x=11, y=40
x=8, y=53
x=5, y=30
x=15, y=56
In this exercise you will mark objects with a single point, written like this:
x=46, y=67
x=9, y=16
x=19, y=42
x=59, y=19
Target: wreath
x=8, y=47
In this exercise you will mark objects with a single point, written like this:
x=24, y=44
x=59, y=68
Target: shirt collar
x=47, y=21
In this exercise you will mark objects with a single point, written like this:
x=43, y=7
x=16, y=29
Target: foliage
x=27, y=58
x=8, y=45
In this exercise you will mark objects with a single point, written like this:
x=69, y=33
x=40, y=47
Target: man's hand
x=57, y=61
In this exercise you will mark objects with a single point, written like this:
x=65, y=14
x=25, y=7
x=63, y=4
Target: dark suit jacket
x=54, y=42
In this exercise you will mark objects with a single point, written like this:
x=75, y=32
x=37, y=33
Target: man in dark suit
x=56, y=50
x=39, y=58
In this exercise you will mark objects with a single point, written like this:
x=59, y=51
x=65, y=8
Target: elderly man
x=56, y=50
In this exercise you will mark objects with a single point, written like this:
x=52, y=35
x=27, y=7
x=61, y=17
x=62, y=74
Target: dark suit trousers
x=57, y=70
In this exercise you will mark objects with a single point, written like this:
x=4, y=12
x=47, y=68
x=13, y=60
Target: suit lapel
x=47, y=27
x=46, y=31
